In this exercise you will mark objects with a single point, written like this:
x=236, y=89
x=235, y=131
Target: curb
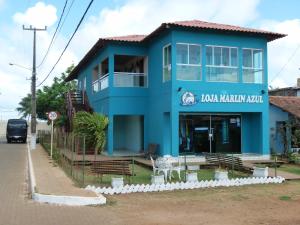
x=58, y=199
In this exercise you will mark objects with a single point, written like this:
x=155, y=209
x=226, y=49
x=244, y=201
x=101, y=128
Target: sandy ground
x=259, y=204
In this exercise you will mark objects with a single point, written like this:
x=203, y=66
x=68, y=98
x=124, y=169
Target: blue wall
x=251, y=113
x=276, y=115
x=160, y=103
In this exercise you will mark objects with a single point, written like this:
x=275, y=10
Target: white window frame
x=97, y=76
x=253, y=68
x=222, y=66
x=169, y=66
x=188, y=62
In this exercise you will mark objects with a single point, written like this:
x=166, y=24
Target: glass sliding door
x=226, y=133
x=214, y=133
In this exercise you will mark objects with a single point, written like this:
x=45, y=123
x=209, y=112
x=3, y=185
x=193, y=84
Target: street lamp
x=14, y=64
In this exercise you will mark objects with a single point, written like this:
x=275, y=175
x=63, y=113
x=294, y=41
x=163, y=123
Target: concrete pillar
x=174, y=133
x=110, y=134
x=265, y=134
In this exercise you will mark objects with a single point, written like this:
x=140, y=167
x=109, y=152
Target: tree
x=92, y=126
x=25, y=107
x=50, y=98
x=290, y=134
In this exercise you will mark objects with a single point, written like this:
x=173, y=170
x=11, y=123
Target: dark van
x=16, y=130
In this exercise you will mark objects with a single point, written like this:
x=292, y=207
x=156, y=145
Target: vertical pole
x=64, y=151
x=232, y=166
x=132, y=160
x=72, y=149
x=185, y=167
x=51, y=144
x=275, y=165
x=33, y=97
x=83, y=165
x=33, y=87
x=210, y=134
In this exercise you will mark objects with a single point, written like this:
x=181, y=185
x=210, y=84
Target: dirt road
x=259, y=204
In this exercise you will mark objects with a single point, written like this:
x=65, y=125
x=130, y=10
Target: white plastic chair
x=155, y=169
x=158, y=169
x=176, y=168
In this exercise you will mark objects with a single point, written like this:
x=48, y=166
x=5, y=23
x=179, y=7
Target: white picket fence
x=126, y=189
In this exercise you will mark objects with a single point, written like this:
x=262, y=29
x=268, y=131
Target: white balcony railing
x=123, y=79
x=101, y=83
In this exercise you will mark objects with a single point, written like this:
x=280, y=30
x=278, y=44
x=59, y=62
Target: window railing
x=124, y=79
x=222, y=74
x=101, y=83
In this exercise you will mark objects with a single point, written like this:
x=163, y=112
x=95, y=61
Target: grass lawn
x=291, y=168
x=142, y=175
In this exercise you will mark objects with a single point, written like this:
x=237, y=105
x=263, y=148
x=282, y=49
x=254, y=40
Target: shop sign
x=226, y=98
x=189, y=99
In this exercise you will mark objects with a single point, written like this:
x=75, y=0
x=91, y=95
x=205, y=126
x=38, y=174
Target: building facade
x=190, y=87
x=284, y=123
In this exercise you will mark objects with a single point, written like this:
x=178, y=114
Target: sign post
x=52, y=116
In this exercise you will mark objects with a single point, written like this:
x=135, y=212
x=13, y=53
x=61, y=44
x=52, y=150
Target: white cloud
x=143, y=16
x=132, y=17
x=16, y=47
x=284, y=54
x=2, y=2
x=39, y=16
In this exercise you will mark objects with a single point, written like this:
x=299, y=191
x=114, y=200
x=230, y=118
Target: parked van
x=16, y=130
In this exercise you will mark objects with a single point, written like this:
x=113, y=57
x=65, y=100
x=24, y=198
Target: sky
x=122, y=17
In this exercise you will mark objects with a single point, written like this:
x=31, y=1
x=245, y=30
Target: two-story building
x=189, y=86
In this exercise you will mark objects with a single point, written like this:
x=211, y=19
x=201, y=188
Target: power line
x=288, y=61
x=62, y=24
x=67, y=43
x=52, y=40
x=66, y=15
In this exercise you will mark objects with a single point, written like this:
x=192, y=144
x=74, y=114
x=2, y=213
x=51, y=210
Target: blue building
x=284, y=123
x=190, y=87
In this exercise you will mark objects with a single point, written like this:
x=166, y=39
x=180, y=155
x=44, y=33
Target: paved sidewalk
x=51, y=179
x=286, y=175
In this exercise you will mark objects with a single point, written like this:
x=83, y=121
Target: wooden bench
x=116, y=167
x=230, y=162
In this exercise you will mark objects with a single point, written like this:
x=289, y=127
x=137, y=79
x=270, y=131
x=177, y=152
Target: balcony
x=100, y=84
x=125, y=79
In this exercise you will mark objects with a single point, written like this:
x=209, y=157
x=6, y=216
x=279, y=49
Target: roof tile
x=289, y=104
x=128, y=38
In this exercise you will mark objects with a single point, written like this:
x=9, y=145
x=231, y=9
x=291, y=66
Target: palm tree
x=25, y=106
x=92, y=127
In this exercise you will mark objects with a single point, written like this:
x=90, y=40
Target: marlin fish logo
x=188, y=98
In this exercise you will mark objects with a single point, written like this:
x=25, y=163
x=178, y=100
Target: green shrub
x=92, y=127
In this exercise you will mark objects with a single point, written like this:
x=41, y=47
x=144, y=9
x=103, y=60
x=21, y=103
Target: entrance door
x=225, y=133
x=210, y=133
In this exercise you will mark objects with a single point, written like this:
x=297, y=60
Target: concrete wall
x=276, y=115
x=128, y=133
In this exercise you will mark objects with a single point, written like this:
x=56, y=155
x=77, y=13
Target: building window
x=95, y=76
x=252, y=66
x=167, y=63
x=100, y=76
x=188, y=62
x=221, y=64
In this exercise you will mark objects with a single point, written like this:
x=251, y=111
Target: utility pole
x=33, y=86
